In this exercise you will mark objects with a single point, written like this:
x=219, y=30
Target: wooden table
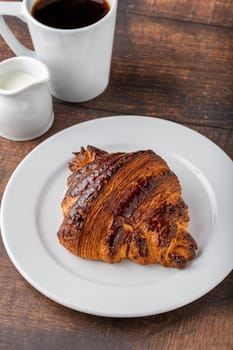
x=172, y=59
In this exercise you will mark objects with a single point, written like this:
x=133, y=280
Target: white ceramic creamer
x=26, y=110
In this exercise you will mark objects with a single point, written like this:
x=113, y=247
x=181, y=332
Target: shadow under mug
x=78, y=60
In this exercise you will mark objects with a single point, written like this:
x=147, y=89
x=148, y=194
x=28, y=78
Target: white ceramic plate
x=31, y=215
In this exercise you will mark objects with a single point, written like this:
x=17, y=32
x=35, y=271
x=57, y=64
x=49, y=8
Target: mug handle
x=13, y=9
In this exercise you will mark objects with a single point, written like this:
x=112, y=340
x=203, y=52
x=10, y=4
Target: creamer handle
x=14, y=8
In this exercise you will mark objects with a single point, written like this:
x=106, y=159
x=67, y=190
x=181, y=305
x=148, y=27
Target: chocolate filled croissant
x=125, y=206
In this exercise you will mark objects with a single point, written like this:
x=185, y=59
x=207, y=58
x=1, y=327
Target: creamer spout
x=20, y=73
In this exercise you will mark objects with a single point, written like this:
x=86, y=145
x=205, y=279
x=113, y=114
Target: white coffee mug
x=79, y=60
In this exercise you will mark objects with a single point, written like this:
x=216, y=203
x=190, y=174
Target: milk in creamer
x=16, y=80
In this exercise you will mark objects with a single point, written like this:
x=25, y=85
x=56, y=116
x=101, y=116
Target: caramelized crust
x=125, y=205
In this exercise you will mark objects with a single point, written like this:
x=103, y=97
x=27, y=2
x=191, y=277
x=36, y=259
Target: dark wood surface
x=172, y=59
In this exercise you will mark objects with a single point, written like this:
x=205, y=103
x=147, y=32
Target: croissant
x=125, y=206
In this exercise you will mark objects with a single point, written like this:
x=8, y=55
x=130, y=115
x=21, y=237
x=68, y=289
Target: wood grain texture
x=172, y=59
x=210, y=12
x=182, y=72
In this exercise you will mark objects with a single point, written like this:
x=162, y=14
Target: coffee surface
x=69, y=14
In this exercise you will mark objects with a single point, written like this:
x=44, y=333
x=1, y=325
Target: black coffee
x=69, y=14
